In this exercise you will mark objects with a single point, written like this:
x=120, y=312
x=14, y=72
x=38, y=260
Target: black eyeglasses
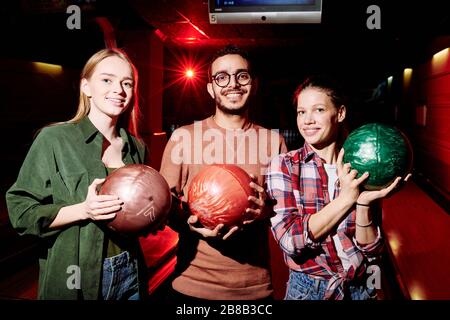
x=222, y=79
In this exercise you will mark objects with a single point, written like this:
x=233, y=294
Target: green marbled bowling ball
x=380, y=149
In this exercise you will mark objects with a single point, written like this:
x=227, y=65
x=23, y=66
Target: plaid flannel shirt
x=297, y=181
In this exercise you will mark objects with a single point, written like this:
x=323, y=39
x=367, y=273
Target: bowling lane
x=416, y=230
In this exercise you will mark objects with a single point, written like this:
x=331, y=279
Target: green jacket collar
x=89, y=132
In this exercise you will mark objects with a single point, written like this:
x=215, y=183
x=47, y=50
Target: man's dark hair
x=229, y=49
x=330, y=85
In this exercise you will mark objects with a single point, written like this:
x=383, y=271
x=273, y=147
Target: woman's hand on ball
x=347, y=179
x=366, y=197
x=100, y=207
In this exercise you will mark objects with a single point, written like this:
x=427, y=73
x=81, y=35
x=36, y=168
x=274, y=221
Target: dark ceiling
x=187, y=23
x=405, y=25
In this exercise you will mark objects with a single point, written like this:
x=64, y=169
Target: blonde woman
x=55, y=196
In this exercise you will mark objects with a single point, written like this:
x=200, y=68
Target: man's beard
x=239, y=111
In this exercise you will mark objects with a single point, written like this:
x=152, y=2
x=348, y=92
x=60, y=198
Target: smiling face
x=231, y=99
x=110, y=88
x=318, y=118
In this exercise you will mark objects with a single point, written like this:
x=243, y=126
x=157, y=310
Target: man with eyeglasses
x=222, y=264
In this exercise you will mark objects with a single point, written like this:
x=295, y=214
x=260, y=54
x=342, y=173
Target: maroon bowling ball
x=219, y=194
x=146, y=196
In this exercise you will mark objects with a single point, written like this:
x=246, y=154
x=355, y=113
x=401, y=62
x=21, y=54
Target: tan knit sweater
x=236, y=268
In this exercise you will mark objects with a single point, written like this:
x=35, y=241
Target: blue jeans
x=120, y=278
x=304, y=287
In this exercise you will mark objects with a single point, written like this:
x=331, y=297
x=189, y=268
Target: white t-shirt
x=332, y=178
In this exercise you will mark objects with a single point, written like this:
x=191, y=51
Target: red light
x=189, y=73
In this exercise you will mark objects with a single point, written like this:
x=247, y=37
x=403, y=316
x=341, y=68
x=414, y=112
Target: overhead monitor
x=264, y=11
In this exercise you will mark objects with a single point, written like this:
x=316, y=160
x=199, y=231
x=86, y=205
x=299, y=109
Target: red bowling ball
x=219, y=194
x=146, y=196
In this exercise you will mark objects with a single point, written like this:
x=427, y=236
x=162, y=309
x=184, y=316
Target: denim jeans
x=304, y=287
x=120, y=278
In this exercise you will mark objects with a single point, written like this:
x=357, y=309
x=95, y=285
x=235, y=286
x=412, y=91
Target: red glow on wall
x=160, y=35
x=191, y=32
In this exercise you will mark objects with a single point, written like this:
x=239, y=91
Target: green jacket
x=60, y=165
